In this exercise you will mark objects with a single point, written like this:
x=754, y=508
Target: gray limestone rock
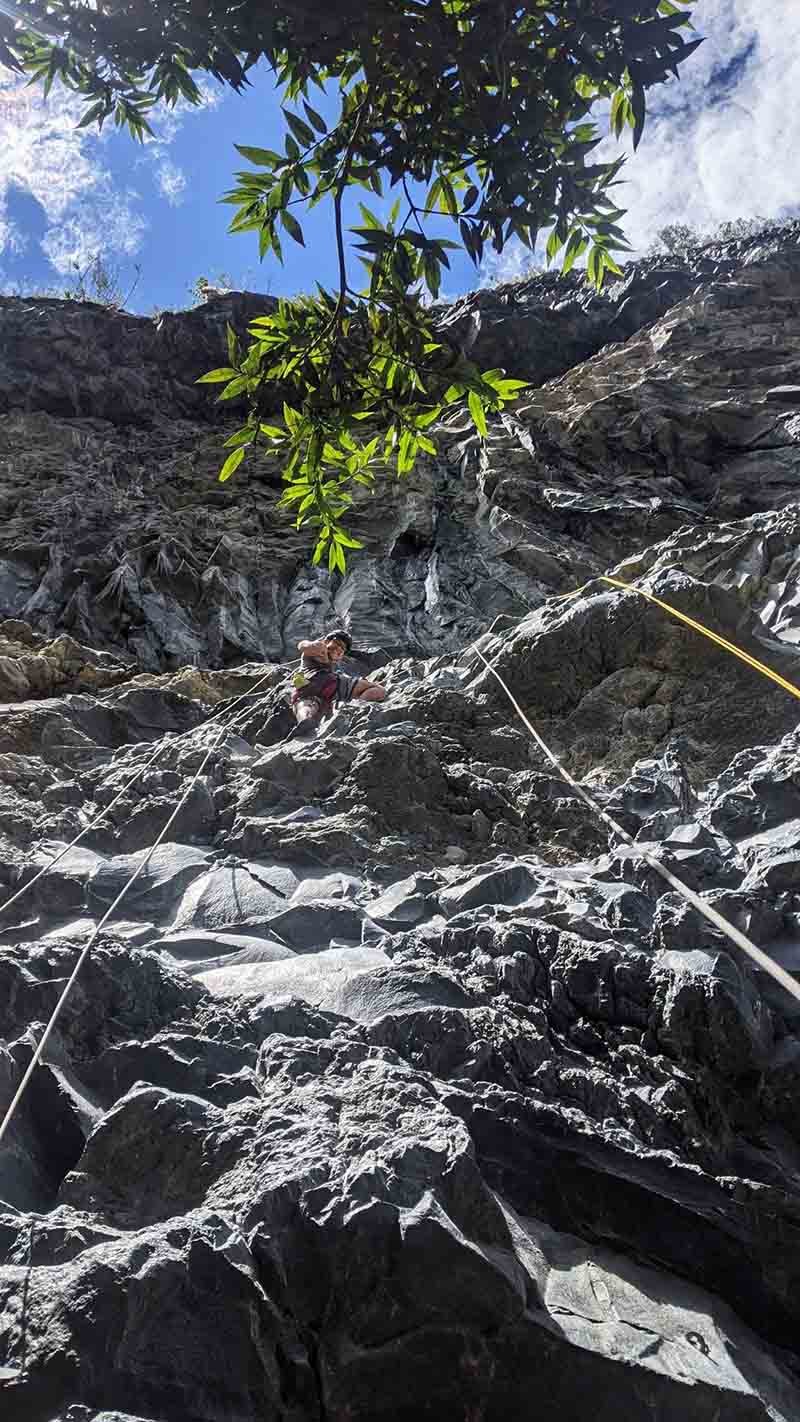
x=313, y=977
x=407, y=902
x=398, y=1087
x=159, y=886
x=231, y=896
x=309, y=926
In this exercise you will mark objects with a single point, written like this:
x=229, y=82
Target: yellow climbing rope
x=705, y=631
x=756, y=954
x=734, y=934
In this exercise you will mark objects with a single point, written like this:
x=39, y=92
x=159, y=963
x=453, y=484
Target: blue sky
x=722, y=143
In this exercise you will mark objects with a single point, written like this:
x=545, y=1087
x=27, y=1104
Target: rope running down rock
x=167, y=740
x=756, y=954
x=37, y=1054
x=706, y=632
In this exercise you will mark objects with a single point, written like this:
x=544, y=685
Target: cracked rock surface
x=395, y=1089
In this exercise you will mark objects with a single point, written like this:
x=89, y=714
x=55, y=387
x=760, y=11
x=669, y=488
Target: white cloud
x=63, y=169
x=722, y=141
x=110, y=224
x=171, y=182
x=515, y=261
x=12, y=240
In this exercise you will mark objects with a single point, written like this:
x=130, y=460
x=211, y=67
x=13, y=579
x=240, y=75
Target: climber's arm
x=314, y=649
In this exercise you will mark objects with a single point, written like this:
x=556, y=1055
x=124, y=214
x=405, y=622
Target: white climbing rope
x=756, y=954
x=130, y=883
x=58, y=857
x=83, y=955
x=137, y=774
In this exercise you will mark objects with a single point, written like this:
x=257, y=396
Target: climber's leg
x=369, y=691
x=307, y=712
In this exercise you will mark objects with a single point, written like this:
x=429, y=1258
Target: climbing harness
x=752, y=950
x=319, y=686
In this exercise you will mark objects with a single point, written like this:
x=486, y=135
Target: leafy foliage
x=678, y=237
x=476, y=111
x=100, y=281
x=394, y=371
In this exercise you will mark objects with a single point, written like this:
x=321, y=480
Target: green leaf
x=619, y=108
x=405, y=461
x=262, y=157
x=231, y=465
x=93, y=114
x=216, y=377
x=555, y=242
x=638, y=112
x=448, y=202
x=369, y=218
x=477, y=412
x=594, y=267
x=433, y=275
x=295, y=491
x=244, y=436
x=293, y=227
x=316, y=119
x=301, y=131
x=576, y=246
x=372, y=240
x=346, y=541
x=236, y=387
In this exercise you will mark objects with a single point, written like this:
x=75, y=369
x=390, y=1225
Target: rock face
x=393, y=1089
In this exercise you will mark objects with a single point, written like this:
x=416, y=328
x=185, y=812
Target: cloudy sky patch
x=721, y=143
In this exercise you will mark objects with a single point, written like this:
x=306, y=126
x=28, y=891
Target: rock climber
x=319, y=685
